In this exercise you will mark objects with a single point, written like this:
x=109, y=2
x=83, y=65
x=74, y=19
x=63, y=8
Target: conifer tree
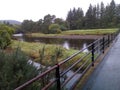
x=15, y=70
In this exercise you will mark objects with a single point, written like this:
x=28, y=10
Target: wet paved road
x=107, y=74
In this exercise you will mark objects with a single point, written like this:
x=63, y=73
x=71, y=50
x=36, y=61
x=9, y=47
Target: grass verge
x=90, y=32
x=77, y=32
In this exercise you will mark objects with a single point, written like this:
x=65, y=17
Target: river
x=66, y=43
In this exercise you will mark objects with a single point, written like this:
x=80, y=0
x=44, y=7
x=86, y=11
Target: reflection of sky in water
x=85, y=46
x=19, y=36
x=66, y=45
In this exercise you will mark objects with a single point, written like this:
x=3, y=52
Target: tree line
x=97, y=16
x=45, y=25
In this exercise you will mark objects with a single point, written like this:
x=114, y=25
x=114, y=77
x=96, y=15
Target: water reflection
x=18, y=37
x=85, y=46
x=66, y=43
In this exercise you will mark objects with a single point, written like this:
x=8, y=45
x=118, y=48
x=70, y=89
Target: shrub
x=54, y=28
x=5, y=39
x=15, y=70
x=5, y=35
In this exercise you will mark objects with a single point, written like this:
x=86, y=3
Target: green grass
x=77, y=32
x=40, y=34
x=34, y=50
x=90, y=32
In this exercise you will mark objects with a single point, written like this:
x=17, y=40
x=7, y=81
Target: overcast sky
x=37, y=9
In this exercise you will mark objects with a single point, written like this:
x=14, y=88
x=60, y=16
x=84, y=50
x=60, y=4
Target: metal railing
x=59, y=77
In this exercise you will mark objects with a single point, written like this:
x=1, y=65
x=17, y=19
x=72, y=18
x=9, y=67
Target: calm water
x=67, y=43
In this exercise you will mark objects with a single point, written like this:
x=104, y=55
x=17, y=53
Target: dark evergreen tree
x=110, y=14
x=89, y=17
x=70, y=19
x=75, y=18
x=118, y=15
x=15, y=70
x=79, y=18
x=94, y=17
x=98, y=16
x=102, y=15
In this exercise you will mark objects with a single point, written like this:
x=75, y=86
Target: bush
x=5, y=39
x=54, y=28
x=15, y=70
x=5, y=35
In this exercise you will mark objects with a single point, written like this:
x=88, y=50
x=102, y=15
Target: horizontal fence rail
x=58, y=77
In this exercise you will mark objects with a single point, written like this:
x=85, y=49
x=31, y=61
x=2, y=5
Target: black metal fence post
x=58, y=77
x=103, y=44
x=108, y=40
x=93, y=50
x=111, y=37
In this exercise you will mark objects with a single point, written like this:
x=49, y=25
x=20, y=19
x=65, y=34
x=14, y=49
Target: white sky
x=37, y=9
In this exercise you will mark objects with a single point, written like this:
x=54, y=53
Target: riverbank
x=68, y=36
x=76, y=34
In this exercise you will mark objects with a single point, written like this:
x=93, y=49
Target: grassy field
x=78, y=32
x=52, y=53
x=35, y=50
x=90, y=32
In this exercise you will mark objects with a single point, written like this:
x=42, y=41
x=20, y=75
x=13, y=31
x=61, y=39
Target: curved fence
x=65, y=75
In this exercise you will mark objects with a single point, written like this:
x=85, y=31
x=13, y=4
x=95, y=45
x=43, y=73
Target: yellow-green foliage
x=90, y=32
x=34, y=51
x=40, y=34
x=54, y=29
x=46, y=54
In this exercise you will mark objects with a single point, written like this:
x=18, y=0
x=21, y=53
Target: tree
x=38, y=26
x=118, y=15
x=17, y=28
x=110, y=14
x=89, y=17
x=54, y=28
x=79, y=18
x=63, y=24
x=102, y=15
x=48, y=19
x=75, y=18
x=69, y=19
x=5, y=35
x=15, y=70
x=27, y=26
x=97, y=22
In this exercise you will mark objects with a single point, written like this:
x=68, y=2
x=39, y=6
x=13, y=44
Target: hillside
x=11, y=21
